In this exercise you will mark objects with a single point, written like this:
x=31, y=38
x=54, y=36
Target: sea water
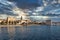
x=33, y=32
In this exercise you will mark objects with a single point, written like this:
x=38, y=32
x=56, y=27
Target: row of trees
x=9, y=23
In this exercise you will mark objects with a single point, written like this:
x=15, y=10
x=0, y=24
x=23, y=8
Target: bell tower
x=21, y=18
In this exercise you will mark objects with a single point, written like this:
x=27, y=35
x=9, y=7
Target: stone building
x=26, y=20
x=48, y=22
x=10, y=20
x=1, y=20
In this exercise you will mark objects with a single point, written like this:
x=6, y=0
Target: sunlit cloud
x=39, y=8
x=39, y=18
x=11, y=9
x=20, y=12
x=6, y=6
x=45, y=3
x=56, y=11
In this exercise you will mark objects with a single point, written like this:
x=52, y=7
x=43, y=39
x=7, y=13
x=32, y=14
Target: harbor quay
x=13, y=21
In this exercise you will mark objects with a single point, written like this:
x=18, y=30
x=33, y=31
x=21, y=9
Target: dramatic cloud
x=18, y=8
x=26, y=4
x=6, y=7
x=9, y=8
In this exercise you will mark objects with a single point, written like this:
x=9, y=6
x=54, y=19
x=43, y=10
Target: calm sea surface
x=40, y=32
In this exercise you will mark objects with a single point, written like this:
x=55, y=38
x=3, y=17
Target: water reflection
x=4, y=33
x=55, y=32
x=40, y=32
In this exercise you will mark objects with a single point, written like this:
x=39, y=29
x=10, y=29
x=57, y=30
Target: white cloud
x=39, y=18
x=45, y=3
x=58, y=1
x=54, y=1
x=54, y=11
x=39, y=9
x=3, y=16
x=5, y=2
x=14, y=9
x=34, y=13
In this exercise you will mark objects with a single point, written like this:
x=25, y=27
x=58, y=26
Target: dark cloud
x=6, y=9
x=26, y=4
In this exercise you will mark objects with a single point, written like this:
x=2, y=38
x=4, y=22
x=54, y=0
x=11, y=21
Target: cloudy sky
x=31, y=7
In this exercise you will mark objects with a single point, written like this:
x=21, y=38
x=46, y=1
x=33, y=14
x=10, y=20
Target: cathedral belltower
x=21, y=18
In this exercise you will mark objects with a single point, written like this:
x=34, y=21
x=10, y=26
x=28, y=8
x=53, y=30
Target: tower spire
x=21, y=17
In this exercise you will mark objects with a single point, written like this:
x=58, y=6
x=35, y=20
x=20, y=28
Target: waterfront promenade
x=10, y=21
